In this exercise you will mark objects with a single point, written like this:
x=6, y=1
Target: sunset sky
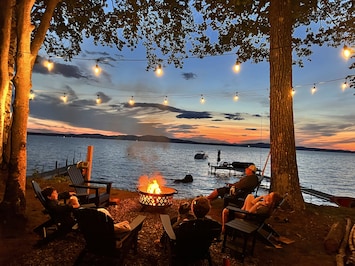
x=324, y=119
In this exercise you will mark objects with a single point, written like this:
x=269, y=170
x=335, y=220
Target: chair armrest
x=83, y=186
x=236, y=209
x=137, y=222
x=107, y=183
x=168, y=228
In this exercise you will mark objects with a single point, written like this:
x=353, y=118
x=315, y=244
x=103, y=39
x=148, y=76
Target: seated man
x=61, y=213
x=260, y=205
x=194, y=237
x=247, y=182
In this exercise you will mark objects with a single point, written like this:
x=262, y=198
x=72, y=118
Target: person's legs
x=248, y=203
x=225, y=214
x=219, y=192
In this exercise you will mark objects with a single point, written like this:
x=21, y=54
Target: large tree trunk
x=14, y=200
x=284, y=172
x=5, y=86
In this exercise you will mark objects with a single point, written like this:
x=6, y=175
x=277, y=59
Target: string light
x=159, y=71
x=314, y=89
x=32, y=95
x=236, y=97
x=293, y=92
x=236, y=67
x=48, y=64
x=98, y=99
x=347, y=51
x=64, y=98
x=131, y=101
x=97, y=69
x=166, y=100
x=202, y=99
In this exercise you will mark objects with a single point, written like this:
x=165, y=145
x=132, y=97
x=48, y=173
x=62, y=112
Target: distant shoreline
x=170, y=140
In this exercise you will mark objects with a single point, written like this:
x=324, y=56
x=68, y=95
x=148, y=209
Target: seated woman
x=61, y=212
x=260, y=205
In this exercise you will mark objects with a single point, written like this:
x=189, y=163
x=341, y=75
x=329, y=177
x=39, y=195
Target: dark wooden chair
x=52, y=227
x=89, y=191
x=100, y=238
x=253, y=226
x=191, y=240
x=236, y=199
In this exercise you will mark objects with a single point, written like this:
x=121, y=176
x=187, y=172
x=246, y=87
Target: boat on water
x=200, y=155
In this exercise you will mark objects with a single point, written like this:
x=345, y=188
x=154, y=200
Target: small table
x=242, y=228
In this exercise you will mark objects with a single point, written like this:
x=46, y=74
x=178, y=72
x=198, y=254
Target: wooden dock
x=48, y=174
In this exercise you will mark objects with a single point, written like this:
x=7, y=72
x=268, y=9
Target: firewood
x=334, y=237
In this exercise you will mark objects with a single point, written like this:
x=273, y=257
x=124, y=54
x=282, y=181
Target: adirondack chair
x=101, y=239
x=191, y=241
x=88, y=191
x=253, y=226
x=236, y=199
x=52, y=227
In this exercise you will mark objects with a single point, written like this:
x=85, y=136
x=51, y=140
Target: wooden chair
x=252, y=226
x=238, y=197
x=52, y=227
x=191, y=240
x=84, y=188
x=100, y=238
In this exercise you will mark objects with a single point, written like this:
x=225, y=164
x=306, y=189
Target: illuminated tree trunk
x=284, y=173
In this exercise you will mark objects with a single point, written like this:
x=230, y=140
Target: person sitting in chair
x=247, y=182
x=260, y=205
x=61, y=212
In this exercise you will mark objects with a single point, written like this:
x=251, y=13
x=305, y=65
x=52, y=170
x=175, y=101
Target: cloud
x=236, y=116
x=66, y=70
x=189, y=75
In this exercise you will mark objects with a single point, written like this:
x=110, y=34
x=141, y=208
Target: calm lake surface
x=124, y=162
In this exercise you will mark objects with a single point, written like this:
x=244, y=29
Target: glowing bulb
x=347, y=51
x=159, y=71
x=64, y=98
x=236, y=97
x=49, y=65
x=98, y=99
x=293, y=92
x=236, y=67
x=32, y=95
x=131, y=101
x=344, y=86
x=202, y=100
x=314, y=89
x=166, y=100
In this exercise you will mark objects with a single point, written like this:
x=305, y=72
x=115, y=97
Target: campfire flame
x=153, y=187
x=152, y=184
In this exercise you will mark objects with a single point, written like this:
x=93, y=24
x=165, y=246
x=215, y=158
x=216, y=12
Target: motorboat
x=200, y=155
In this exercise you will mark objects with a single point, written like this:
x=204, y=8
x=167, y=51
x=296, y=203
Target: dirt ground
x=308, y=231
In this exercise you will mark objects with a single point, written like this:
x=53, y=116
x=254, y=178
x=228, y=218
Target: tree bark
x=284, y=172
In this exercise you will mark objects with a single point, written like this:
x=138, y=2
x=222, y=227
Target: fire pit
x=162, y=199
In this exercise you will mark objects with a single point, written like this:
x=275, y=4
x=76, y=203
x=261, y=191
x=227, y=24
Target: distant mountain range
x=166, y=139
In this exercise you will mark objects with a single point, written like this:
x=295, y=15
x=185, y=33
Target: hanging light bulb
x=344, y=86
x=97, y=69
x=293, y=92
x=49, y=64
x=32, y=95
x=236, y=67
x=98, y=99
x=131, y=101
x=202, y=100
x=347, y=51
x=314, y=89
x=236, y=97
x=159, y=71
x=64, y=98
x=166, y=100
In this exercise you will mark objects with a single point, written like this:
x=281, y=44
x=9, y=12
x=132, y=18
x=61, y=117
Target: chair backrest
x=98, y=230
x=38, y=193
x=194, y=238
x=77, y=178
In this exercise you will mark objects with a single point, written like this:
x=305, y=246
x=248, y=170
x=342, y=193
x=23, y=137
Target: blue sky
x=324, y=119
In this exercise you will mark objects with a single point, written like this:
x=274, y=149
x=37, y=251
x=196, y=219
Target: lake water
x=123, y=162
